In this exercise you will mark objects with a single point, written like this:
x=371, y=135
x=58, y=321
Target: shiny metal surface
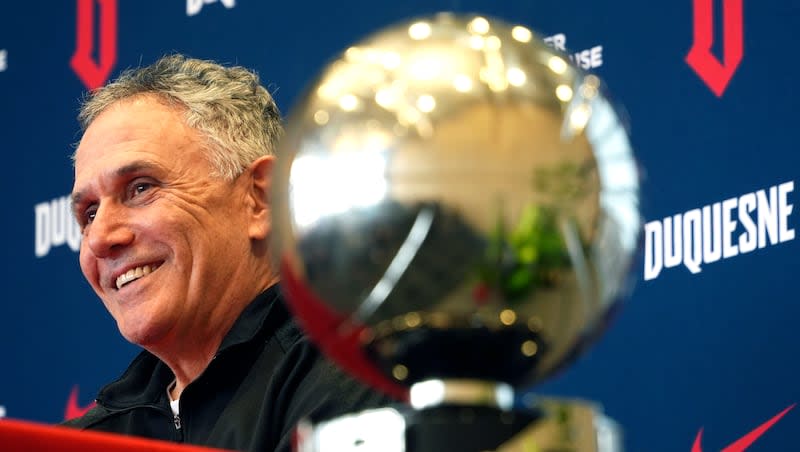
x=377, y=430
x=431, y=393
x=574, y=425
x=563, y=425
x=461, y=196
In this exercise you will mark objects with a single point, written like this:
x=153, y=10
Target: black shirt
x=265, y=378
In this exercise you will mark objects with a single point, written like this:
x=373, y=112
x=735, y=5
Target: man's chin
x=145, y=336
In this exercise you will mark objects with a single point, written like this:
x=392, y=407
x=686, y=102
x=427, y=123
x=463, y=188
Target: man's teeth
x=134, y=274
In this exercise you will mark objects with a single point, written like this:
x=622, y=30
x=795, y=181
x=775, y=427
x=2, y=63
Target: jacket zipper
x=176, y=420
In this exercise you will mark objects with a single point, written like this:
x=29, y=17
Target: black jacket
x=265, y=377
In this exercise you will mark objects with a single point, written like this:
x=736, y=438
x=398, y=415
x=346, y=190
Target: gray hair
x=227, y=105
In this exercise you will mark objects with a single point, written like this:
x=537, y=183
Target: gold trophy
x=456, y=214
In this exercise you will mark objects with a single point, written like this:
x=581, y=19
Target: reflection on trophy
x=456, y=213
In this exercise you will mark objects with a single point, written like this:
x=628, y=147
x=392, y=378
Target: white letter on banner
x=193, y=7
x=692, y=246
x=748, y=240
x=712, y=238
x=767, y=217
x=73, y=233
x=652, y=249
x=58, y=226
x=672, y=233
x=786, y=234
x=557, y=41
x=728, y=227
x=597, y=56
x=42, y=229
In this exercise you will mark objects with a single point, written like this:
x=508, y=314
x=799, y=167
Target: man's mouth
x=134, y=274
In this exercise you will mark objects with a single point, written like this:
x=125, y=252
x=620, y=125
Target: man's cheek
x=89, y=268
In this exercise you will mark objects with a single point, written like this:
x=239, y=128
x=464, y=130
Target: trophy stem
x=466, y=416
x=465, y=392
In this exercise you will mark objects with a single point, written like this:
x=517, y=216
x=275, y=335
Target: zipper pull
x=177, y=421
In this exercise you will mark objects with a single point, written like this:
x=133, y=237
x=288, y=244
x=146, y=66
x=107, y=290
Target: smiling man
x=172, y=181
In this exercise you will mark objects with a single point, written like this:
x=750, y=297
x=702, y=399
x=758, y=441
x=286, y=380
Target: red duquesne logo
x=715, y=74
x=74, y=410
x=744, y=442
x=88, y=40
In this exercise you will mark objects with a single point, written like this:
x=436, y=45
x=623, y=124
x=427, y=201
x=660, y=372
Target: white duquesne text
x=720, y=230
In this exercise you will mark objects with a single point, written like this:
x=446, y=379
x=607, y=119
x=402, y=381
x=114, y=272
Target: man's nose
x=109, y=231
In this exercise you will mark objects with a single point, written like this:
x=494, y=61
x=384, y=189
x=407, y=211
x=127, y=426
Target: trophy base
x=549, y=425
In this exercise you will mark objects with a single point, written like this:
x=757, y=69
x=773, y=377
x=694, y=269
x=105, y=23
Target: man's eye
x=141, y=187
x=138, y=188
x=89, y=214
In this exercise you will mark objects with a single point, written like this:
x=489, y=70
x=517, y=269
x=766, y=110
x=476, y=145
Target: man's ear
x=259, y=197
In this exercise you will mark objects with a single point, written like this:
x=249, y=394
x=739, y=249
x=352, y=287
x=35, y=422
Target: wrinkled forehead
x=138, y=103
x=136, y=130
x=101, y=102
x=130, y=120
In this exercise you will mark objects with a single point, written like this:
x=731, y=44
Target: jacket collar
x=146, y=379
x=266, y=309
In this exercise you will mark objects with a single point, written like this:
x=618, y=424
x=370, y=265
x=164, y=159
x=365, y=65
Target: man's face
x=163, y=242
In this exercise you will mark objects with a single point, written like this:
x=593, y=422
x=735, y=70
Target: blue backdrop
x=714, y=349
